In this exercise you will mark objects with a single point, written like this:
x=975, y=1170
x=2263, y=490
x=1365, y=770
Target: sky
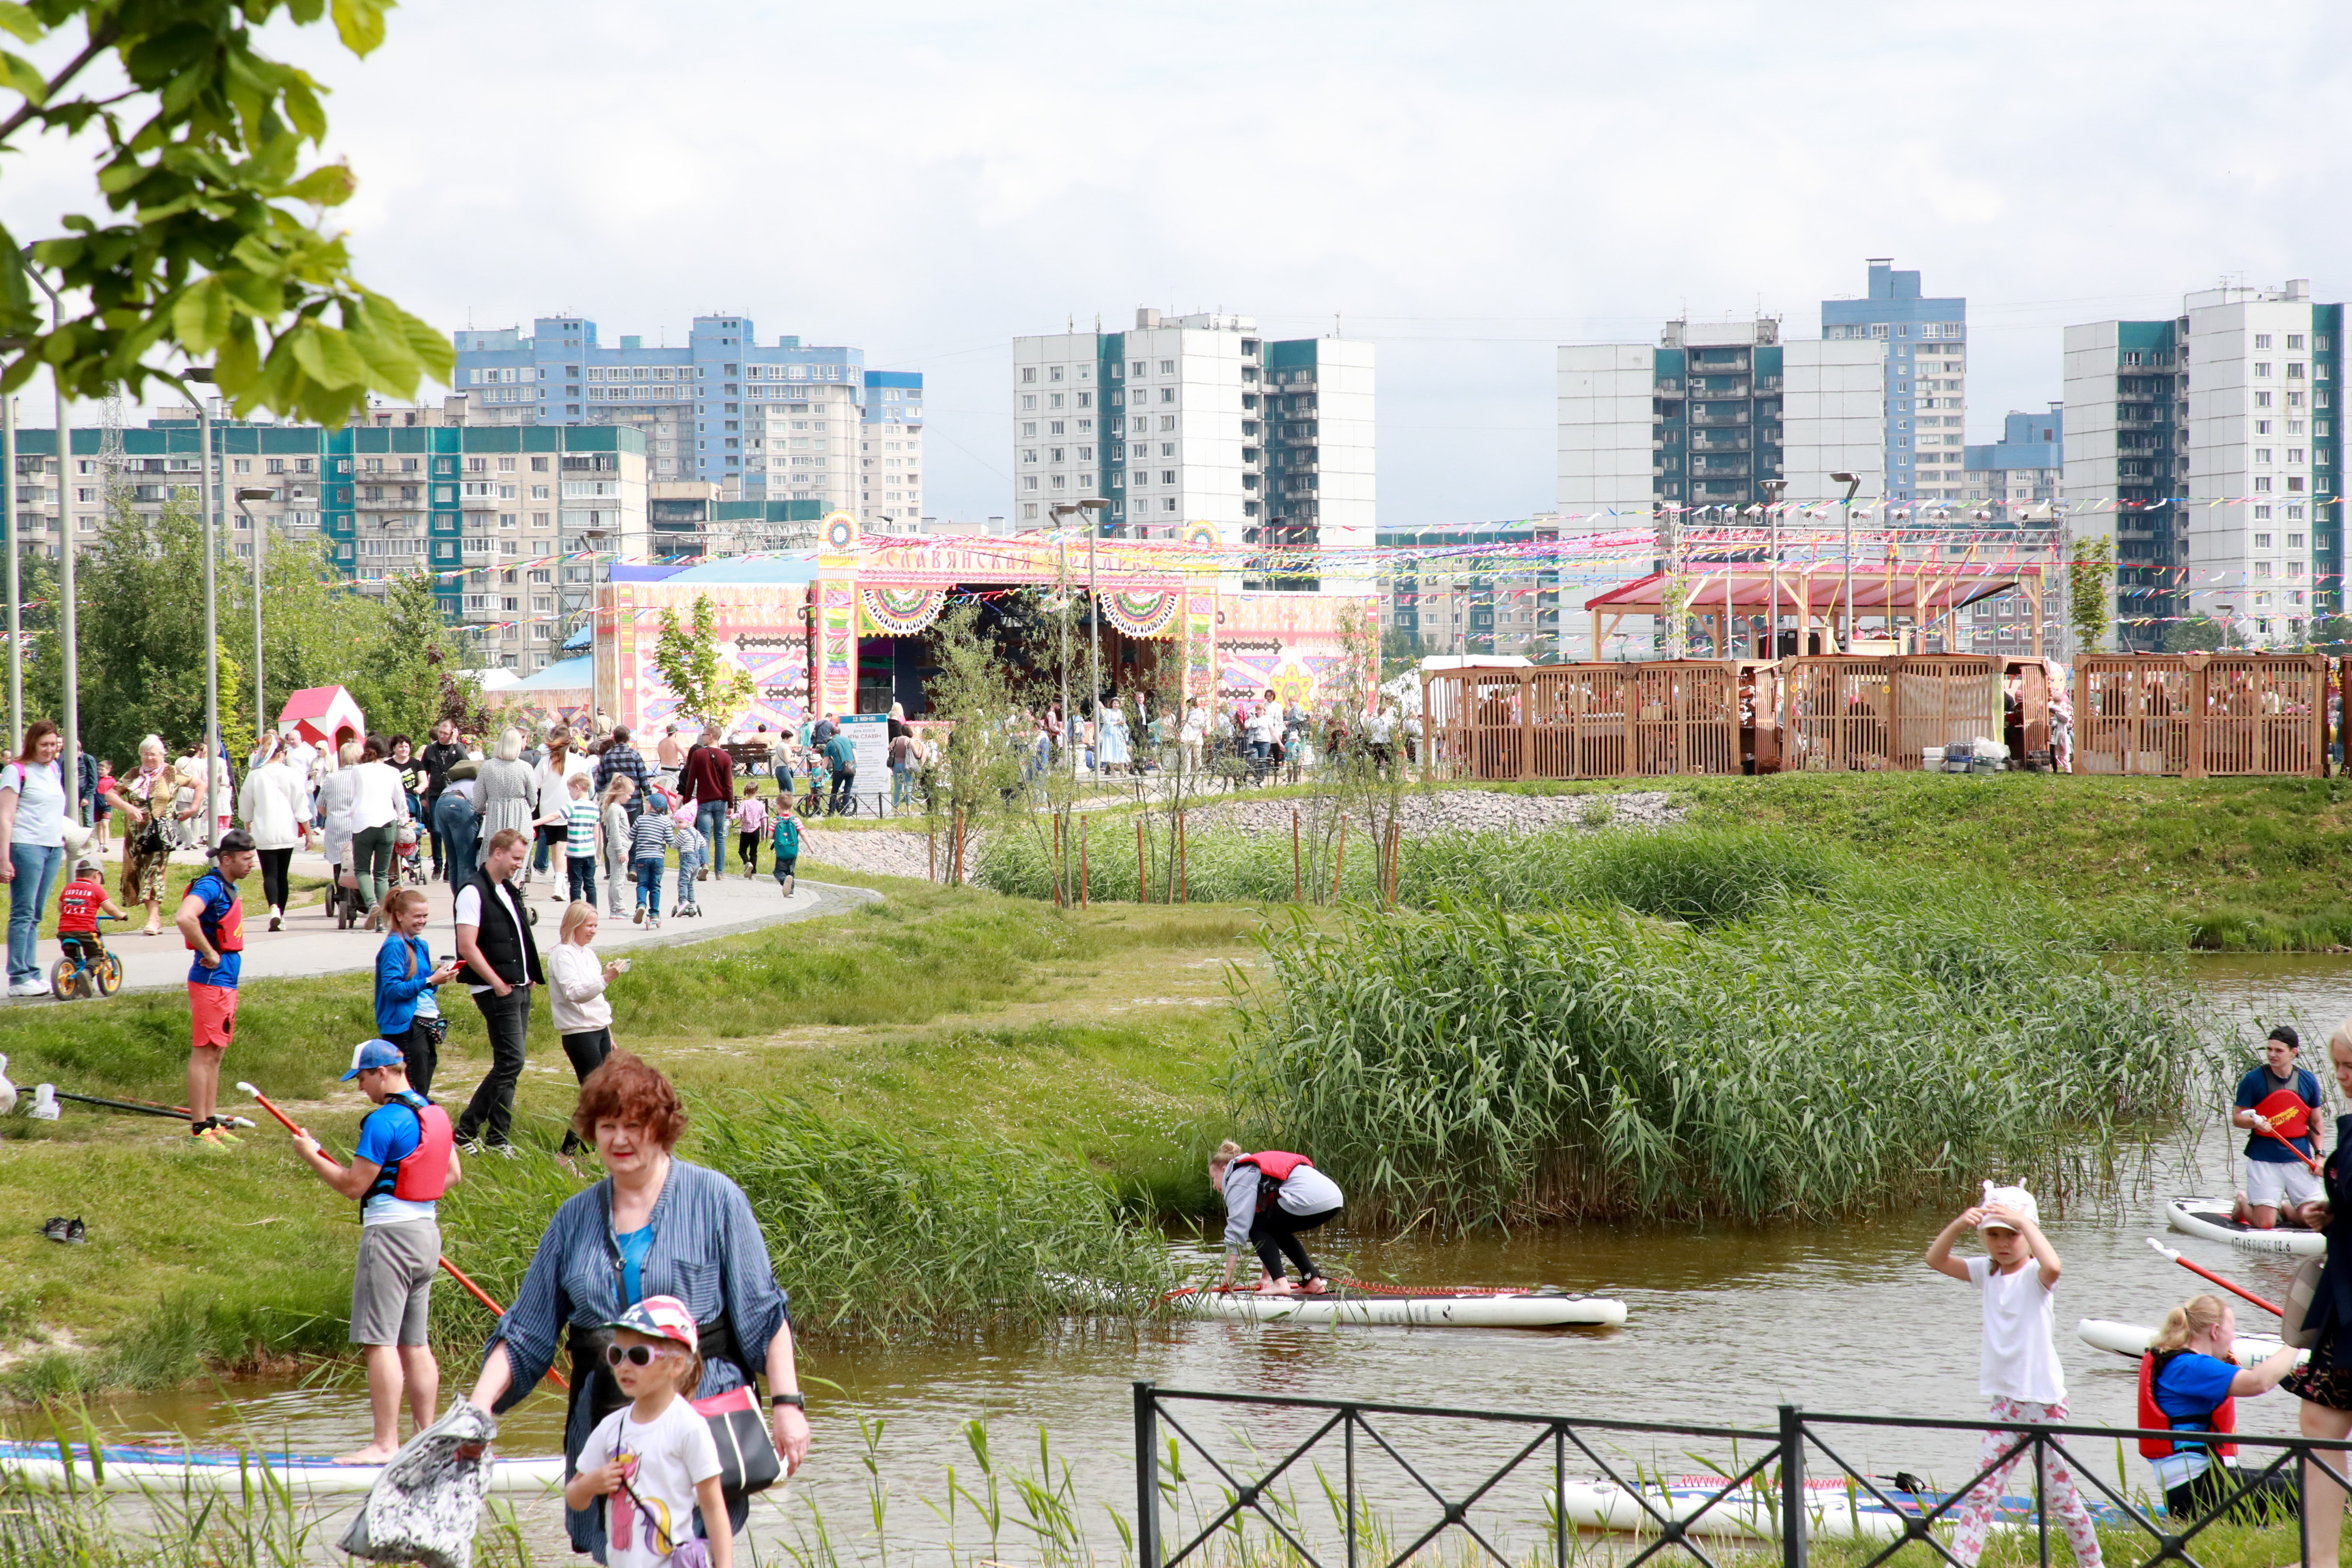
x=1467, y=185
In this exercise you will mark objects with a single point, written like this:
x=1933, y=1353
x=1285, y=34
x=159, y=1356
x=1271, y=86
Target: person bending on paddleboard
x=1270, y=1197
x=405, y=1160
x=2189, y=1382
x=2280, y=1096
x=2017, y=1364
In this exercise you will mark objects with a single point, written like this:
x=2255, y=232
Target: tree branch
x=99, y=42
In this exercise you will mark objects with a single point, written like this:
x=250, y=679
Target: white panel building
x=1833, y=417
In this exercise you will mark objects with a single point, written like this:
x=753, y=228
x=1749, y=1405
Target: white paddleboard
x=2133, y=1339
x=127, y=1468
x=1834, y=1510
x=1462, y=1310
x=2209, y=1218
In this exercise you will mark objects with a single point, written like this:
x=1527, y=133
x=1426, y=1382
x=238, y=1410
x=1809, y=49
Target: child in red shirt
x=79, y=904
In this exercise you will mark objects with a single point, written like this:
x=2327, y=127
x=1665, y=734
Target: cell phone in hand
x=621, y=965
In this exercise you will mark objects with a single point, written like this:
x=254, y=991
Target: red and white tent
x=324, y=715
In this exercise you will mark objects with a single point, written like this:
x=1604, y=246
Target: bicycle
x=80, y=974
x=818, y=802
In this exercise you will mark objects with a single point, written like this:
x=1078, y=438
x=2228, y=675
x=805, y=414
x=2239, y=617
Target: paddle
x=143, y=1107
x=478, y=1293
x=2204, y=1272
x=2289, y=1119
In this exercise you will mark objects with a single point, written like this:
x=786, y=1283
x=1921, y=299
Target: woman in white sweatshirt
x=583, y=1016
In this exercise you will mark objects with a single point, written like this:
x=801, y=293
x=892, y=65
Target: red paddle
x=2204, y=1272
x=2289, y=1119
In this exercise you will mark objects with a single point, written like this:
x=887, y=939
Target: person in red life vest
x=79, y=904
x=2189, y=1382
x=1270, y=1198
x=2278, y=1095
x=406, y=1158
x=212, y=922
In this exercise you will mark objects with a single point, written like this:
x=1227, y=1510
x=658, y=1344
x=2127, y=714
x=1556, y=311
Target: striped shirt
x=580, y=828
x=650, y=836
x=706, y=1249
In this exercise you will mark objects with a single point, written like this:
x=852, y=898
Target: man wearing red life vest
x=1270, y=1197
x=405, y=1160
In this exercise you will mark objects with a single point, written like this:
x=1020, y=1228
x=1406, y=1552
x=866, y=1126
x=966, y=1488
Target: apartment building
x=1517, y=614
x=715, y=408
x=2215, y=432
x=1925, y=378
x=1199, y=420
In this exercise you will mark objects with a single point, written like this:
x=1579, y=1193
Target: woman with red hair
x=656, y=1226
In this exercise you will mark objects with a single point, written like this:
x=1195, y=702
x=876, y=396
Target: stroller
x=407, y=855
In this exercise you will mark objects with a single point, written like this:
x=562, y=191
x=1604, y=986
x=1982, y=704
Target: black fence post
x=1147, y=1476
x=1792, y=1488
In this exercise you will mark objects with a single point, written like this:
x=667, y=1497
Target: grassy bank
x=953, y=1130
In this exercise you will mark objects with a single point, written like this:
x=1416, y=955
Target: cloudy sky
x=1467, y=185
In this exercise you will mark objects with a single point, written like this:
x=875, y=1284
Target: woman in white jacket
x=274, y=803
x=575, y=993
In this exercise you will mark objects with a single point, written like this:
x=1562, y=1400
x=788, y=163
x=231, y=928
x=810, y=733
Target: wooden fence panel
x=1838, y=710
x=1682, y=717
x=2264, y=713
x=1940, y=699
x=2133, y=714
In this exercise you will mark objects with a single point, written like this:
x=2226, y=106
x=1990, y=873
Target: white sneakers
x=27, y=988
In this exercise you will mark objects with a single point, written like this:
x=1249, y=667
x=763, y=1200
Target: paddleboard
x=1460, y=1309
x=2133, y=1339
x=1835, y=1510
x=2209, y=1218
x=126, y=1468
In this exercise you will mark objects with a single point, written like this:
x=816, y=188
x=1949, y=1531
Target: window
x=2294, y=454
x=2261, y=542
x=1028, y=401
x=2293, y=370
x=2262, y=400
x=1167, y=448
x=2261, y=454
x=2262, y=426
x=1054, y=373
x=1085, y=400
x=1168, y=367
x=2261, y=367
x=2295, y=542
x=2294, y=339
x=538, y=465
x=1166, y=395
x=1167, y=503
x=2261, y=340
x=1029, y=482
x=1167, y=422
x=2261, y=484
x=1029, y=427
x=1139, y=371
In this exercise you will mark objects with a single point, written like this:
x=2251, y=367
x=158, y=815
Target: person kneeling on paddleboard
x=2275, y=1102
x=1270, y=1197
x=2188, y=1383
x=405, y=1160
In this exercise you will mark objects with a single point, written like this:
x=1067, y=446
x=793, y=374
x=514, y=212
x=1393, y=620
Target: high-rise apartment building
x=2027, y=464
x=1926, y=378
x=1199, y=420
x=2230, y=402
x=773, y=422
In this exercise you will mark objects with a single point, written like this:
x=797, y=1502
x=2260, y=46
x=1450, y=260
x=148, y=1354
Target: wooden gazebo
x=1750, y=598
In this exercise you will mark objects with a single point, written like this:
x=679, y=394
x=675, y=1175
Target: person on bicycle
x=79, y=904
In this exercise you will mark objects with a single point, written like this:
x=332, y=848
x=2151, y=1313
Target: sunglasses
x=636, y=1355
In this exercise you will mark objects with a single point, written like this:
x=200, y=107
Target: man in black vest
x=500, y=961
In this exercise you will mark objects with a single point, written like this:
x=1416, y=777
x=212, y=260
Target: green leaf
x=326, y=354
x=328, y=185
x=360, y=23
x=18, y=75
x=20, y=21
x=200, y=316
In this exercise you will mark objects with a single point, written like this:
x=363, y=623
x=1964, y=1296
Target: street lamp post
x=1852, y=482
x=260, y=709
x=212, y=610
x=68, y=657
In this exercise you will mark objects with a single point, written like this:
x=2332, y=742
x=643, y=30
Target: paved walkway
x=310, y=945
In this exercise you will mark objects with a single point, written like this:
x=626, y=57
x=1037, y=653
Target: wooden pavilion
x=1828, y=606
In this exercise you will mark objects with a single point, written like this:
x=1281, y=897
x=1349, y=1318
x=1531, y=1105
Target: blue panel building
x=1927, y=378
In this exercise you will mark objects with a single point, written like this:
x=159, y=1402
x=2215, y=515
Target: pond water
x=1724, y=1325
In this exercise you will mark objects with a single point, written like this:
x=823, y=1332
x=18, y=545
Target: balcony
x=1720, y=387
x=1725, y=443
x=1720, y=416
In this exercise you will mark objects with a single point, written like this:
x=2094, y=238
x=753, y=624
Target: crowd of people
x=1259, y=738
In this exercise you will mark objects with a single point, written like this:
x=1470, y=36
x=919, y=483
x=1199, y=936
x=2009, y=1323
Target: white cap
x=2015, y=1198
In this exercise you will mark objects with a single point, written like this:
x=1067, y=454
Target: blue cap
x=373, y=1054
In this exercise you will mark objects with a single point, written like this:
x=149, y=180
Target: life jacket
x=1274, y=1168
x=2224, y=1418
x=421, y=1176
x=227, y=933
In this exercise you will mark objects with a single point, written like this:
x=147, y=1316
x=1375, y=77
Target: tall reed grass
x=1812, y=1060
x=873, y=1235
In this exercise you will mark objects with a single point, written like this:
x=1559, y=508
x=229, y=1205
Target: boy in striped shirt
x=581, y=830
x=649, y=842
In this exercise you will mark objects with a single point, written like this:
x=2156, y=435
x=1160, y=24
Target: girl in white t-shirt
x=2018, y=1368
x=655, y=1462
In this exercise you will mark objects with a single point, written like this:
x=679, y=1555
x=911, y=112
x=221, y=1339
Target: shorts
x=212, y=1015
x=392, y=1286
x=787, y=866
x=2270, y=1184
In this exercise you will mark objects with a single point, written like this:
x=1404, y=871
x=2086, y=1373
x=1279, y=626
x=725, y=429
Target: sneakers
x=54, y=1227
x=27, y=988
x=75, y=1235
x=470, y=1145
x=204, y=1132
x=640, y=916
